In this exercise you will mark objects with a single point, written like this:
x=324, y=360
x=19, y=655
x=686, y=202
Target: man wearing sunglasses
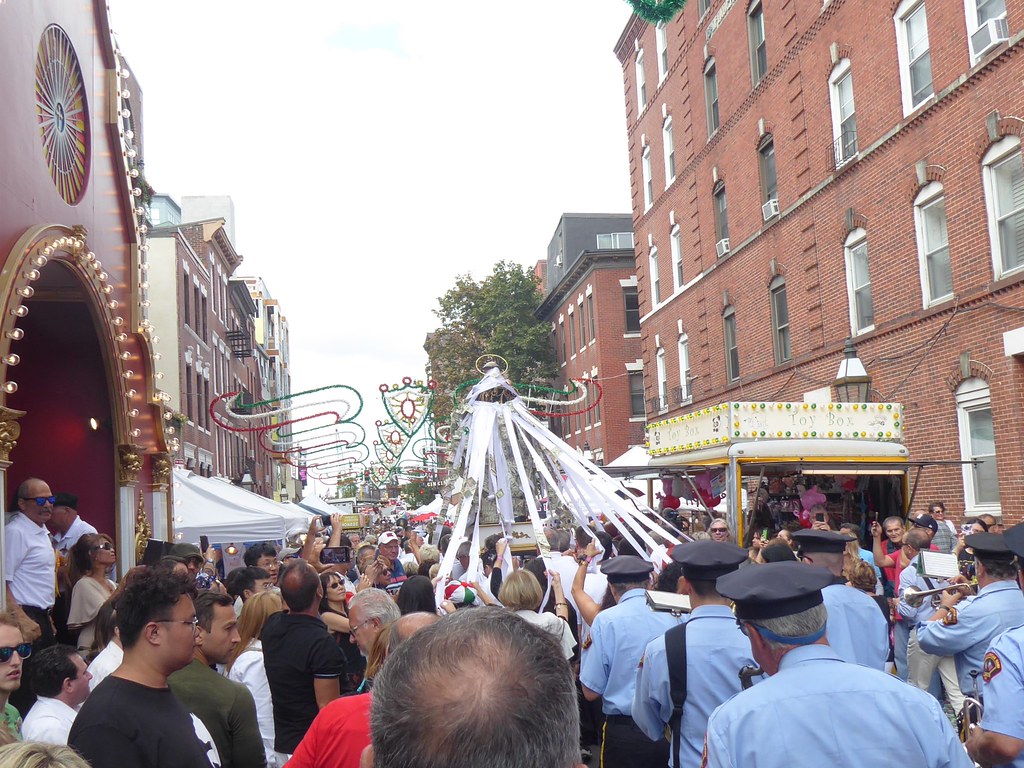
x=30, y=566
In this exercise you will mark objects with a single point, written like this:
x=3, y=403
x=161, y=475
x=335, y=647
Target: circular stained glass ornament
x=63, y=114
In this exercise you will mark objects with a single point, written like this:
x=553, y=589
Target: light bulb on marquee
x=130, y=394
x=118, y=321
x=27, y=292
x=40, y=260
x=103, y=276
x=125, y=355
x=136, y=432
x=112, y=304
x=10, y=387
x=20, y=311
x=16, y=334
x=32, y=274
x=133, y=413
x=12, y=359
x=122, y=337
x=108, y=289
x=128, y=374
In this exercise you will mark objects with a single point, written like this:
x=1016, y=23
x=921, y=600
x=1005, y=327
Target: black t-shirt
x=296, y=650
x=124, y=723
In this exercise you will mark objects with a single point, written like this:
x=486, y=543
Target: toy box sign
x=746, y=421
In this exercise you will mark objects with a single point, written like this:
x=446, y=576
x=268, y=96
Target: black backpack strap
x=675, y=655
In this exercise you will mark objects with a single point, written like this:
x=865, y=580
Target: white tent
x=435, y=506
x=200, y=510
x=313, y=502
x=294, y=516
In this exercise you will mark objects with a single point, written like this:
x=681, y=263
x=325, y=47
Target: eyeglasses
x=24, y=650
x=357, y=627
x=743, y=626
x=193, y=622
x=105, y=545
x=41, y=501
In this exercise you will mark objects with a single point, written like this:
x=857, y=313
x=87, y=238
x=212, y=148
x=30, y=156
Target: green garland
x=657, y=11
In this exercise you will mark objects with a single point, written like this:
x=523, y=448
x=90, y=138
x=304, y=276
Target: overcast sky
x=376, y=150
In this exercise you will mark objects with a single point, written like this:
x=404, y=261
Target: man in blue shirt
x=814, y=709
x=713, y=651
x=618, y=638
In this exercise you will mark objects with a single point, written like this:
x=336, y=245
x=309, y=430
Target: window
x=914, y=53
x=661, y=38
x=702, y=7
x=711, y=96
x=572, y=336
x=977, y=443
x=684, y=369
x=590, y=314
x=580, y=314
x=615, y=240
x=769, y=178
x=780, y=319
x=979, y=13
x=655, y=277
x=648, y=180
x=561, y=340
x=1004, y=194
x=188, y=395
x=721, y=213
x=662, y=380
x=206, y=313
x=669, y=145
x=631, y=298
x=185, y=305
x=199, y=398
x=844, y=118
x=636, y=395
x=858, y=280
x=933, y=244
x=758, y=52
x=676, y=242
x=641, y=83
x=732, y=351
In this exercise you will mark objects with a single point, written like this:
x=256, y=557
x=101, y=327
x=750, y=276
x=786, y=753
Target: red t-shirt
x=337, y=737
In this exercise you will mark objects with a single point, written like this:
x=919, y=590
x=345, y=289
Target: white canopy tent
x=200, y=510
x=313, y=502
x=294, y=516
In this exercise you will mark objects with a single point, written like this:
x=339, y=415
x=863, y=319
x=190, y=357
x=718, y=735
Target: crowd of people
x=805, y=637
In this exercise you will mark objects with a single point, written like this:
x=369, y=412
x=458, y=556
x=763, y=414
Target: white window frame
x=683, y=347
x=971, y=15
x=641, y=82
x=905, y=10
x=655, y=277
x=721, y=212
x=756, y=8
x=971, y=396
x=709, y=68
x=1002, y=150
x=781, y=355
x=662, y=379
x=853, y=240
x=766, y=194
x=841, y=71
x=669, y=144
x=676, y=247
x=729, y=320
x=661, y=43
x=645, y=163
x=926, y=198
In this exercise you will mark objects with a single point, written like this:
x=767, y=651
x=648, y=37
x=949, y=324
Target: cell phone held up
x=335, y=555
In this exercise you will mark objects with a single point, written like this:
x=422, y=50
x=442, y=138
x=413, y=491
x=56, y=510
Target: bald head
x=408, y=625
x=300, y=587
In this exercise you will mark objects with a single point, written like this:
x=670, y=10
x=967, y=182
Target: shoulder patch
x=642, y=657
x=992, y=666
x=588, y=642
x=950, y=618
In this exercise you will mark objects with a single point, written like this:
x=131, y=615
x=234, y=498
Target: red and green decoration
x=657, y=11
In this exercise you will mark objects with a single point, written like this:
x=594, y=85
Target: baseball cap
x=387, y=538
x=926, y=521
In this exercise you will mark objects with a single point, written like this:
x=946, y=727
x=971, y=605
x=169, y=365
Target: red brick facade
x=917, y=354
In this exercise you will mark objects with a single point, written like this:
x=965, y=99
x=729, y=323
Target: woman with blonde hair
x=34, y=754
x=521, y=593
x=92, y=558
x=245, y=664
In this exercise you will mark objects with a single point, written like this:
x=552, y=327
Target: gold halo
x=491, y=358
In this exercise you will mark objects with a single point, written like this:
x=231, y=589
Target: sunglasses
x=40, y=501
x=105, y=545
x=719, y=530
x=24, y=650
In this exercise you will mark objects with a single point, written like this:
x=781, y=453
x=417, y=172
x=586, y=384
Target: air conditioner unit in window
x=722, y=247
x=770, y=209
x=990, y=34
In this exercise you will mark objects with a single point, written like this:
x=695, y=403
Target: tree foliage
x=493, y=316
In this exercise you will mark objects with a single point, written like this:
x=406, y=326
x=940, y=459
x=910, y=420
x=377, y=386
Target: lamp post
x=852, y=384
x=587, y=453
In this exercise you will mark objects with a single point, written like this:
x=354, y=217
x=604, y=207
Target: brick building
x=591, y=303
x=803, y=172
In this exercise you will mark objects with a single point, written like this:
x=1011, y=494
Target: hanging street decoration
x=408, y=405
x=391, y=437
x=657, y=11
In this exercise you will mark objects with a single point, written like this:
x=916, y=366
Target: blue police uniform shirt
x=979, y=619
x=618, y=639
x=1002, y=688
x=856, y=629
x=818, y=711
x=716, y=650
x=909, y=577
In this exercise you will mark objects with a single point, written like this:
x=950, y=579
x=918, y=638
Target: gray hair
x=796, y=625
x=434, y=703
x=376, y=604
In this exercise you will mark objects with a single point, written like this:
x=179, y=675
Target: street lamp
x=587, y=453
x=247, y=481
x=853, y=385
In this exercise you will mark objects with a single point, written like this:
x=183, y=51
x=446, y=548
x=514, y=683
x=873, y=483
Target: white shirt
x=30, y=564
x=78, y=529
x=248, y=670
x=556, y=626
x=48, y=721
x=106, y=661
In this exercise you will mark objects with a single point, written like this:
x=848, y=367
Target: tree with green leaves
x=492, y=316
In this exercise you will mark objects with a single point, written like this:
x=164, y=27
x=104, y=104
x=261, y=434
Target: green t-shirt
x=12, y=720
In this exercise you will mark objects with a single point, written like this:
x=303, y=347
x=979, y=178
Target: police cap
x=1014, y=539
x=821, y=541
x=707, y=560
x=625, y=568
x=774, y=589
x=989, y=545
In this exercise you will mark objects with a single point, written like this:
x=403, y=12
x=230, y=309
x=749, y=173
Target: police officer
x=709, y=649
x=814, y=709
x=1000, y=738
x=857, y=628
x=618, y=638
x=964, y=627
